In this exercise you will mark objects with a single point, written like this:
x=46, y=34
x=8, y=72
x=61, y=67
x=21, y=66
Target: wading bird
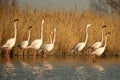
x=78, y=47
x=48, y=47
x=24, y=44
x=99, y=51
x=36, y=44
x=11, y=42
x=98, y=44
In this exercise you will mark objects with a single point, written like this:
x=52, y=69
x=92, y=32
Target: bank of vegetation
x=70, y=27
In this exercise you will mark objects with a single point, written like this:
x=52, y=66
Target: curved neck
x=54, y=38
x=15, y=33
x=28, y=36
x=102, y=37
x=50, y=39
x=86, y=35
x=42, y=31
x=105, y=40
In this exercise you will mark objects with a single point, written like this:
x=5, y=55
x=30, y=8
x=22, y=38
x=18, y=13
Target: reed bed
x=70, y=27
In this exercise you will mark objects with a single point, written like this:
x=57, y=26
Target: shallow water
x=59, y=68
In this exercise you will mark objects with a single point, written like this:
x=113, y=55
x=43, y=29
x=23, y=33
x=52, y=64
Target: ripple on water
x=59, y=71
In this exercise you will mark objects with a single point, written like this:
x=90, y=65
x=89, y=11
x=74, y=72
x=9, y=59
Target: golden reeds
x=70, y=27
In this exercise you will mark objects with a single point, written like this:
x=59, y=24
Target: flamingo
x=98, y=44
x=48, y=47
x=11, y=42
x=78, y=47
x=99, y=51
x=36, y=44
x=24, y=44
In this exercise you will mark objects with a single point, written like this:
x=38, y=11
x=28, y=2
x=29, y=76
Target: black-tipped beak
x=16, y=20
x=108, y=33
x=104, y=26
x=30, y=27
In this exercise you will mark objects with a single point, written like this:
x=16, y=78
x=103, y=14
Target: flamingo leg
x=98, y=59
x=7, y=52
x=45, y=54
x=89, y=51
x=34, y=52
x=23, y=52
x=94, y=58
x=34, y=61
x=78, y=53
x=7, y=56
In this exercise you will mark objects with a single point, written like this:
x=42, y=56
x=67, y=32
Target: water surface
x=59, y=68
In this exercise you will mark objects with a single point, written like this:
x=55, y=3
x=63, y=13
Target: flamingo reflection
x=98, y=66
x=47, y=65
x=34, y=66
x=8, y=63
x=23, y=62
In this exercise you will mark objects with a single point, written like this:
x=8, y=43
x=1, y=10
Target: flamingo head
x=108, y=33
x=16, y=20
x=29, y=27
x=104, y=26
x=51, y=32
x=88, y=25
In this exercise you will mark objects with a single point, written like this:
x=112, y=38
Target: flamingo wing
x=36, y=43
x=96, y=45
x=42, y=47
x=10, y=43
x=47, y=47
x=78, y=46
x=81, y=46
x=23, y=44
x=99, y=51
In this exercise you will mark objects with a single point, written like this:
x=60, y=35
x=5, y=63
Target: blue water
x=58, y=68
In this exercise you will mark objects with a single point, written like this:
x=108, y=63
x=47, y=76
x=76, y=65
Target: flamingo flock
x=37, y=44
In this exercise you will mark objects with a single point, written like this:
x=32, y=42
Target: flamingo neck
x=41, y=31
x=86, y=35
x=54, y=38
x=50, y=39
x=15, y=34
x=105, y=40
x=28, y=36
x=102, y=37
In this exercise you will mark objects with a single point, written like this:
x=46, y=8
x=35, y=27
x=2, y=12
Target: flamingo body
x=50, y=46
x=78, y=47
x=10, y=43
x=36, y=44
x=96, y=45
x=99, y=51
x=47, y=47
x=23, y=44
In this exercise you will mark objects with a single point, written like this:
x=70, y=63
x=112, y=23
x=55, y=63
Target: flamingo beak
x=30, y=27
x=104, y=26
x=51, y=32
